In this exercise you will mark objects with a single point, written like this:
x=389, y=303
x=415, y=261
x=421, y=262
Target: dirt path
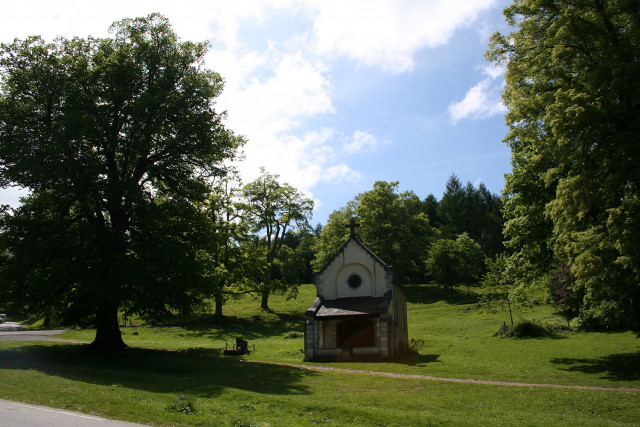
x=443, y=379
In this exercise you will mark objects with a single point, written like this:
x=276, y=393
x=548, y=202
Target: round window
x=354, y=281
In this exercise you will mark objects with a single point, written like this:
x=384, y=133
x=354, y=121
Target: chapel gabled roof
x=363, y=246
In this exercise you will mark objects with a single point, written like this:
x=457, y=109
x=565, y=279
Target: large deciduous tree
x=392, y=224
x=273, y=209
x=452, y=262
x=233, y=260
x=332, y=236
x=116, y=139
x=573, y=96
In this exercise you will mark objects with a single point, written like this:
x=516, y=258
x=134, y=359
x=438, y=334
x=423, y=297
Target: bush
x=293, y=334
x=523, y=329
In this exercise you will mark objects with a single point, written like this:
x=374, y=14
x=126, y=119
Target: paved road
x=11, y=326
x=11, y=331
x=23, y=415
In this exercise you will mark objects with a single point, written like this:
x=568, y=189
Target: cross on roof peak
x=352, y=225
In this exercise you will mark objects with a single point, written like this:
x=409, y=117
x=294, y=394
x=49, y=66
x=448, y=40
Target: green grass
x=176, y=375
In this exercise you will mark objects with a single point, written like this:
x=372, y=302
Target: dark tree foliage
x=573, y=197
x=430, y=207
x=563, y=294
x=115, y=139
x=301, y=242
x=477, y=212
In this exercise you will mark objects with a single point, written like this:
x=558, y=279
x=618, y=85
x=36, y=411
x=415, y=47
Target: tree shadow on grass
x=197, y=372
x=255, y=327
x=615, y=367
x=432, y=293
x=411, y=359
x=416, y=359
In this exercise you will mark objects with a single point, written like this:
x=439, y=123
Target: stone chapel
x=359, y=312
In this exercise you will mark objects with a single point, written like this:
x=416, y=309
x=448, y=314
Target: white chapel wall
x=353, y=259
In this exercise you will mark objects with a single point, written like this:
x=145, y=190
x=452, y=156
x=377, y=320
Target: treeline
x=405, y=231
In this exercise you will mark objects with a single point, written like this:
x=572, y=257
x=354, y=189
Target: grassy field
x=174, y=375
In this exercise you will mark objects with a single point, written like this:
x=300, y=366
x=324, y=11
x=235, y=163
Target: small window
x=354, y=281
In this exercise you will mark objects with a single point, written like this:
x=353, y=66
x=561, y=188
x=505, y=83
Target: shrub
x=293, y=334
x=523, y=329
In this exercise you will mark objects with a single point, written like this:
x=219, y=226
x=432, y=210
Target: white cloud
x=11, y=196
x=296, y=90
x=388, y=32
x=481, y=101
x=269, y=112
x=361, y=141
x=339, y=173
x=82, y=18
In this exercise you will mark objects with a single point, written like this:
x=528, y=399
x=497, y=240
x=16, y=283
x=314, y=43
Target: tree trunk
x=265, y=300
x=108, y=336
x=218, y=313
x=510, y=315
x=219, y=298
x=266, y=287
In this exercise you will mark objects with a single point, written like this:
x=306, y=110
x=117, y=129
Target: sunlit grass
x=457, y=334
x=176, y=375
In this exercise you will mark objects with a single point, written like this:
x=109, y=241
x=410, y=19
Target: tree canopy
x=450, y=262
x=392, y=224
x=274, y=209
x=573, y=196
x=116, y=139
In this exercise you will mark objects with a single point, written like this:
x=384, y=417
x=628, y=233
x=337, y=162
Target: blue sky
x=333, y=95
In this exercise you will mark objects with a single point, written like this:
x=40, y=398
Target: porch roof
x=356, y=306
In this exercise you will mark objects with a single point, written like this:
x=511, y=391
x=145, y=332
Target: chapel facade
x=359, y=312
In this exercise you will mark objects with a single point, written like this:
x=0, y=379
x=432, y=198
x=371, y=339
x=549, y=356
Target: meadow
x=175, y=374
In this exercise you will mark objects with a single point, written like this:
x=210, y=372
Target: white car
x=3, y=318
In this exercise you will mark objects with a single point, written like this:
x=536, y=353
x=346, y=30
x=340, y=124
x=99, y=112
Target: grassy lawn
x=174, y=375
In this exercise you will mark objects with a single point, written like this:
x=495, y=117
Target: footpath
x=443, y=379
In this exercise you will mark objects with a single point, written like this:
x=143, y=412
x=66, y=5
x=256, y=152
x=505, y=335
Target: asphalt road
x=10, y=326
x=23, y=415
x=11, y=331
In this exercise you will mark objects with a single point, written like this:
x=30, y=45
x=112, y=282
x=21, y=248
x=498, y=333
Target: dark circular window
x=354, y=281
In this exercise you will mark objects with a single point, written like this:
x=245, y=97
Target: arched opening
x=356, y=332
